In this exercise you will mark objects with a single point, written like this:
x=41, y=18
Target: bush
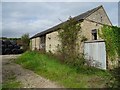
x=25, y=42
x=76, y=61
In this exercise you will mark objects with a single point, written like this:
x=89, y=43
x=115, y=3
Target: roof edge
x=101, y=6
x=78, y=18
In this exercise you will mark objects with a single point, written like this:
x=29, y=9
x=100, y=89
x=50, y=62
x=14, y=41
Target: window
x=94, y=34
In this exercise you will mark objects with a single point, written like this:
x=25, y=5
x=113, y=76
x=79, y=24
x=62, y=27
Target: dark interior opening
x=94, y=34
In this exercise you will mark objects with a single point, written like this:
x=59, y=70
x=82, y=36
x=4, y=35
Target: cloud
x=59, y=1
x=33, y=17
x=19, y=28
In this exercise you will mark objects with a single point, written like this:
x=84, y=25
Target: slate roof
x=77, y=18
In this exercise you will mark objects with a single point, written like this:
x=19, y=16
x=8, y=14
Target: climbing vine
x=68, y=37
x=111, y=35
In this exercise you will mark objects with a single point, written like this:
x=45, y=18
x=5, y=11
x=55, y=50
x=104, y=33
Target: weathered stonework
x=35, y=43
x=99, y=16
x=93, y=21
x=52, y=42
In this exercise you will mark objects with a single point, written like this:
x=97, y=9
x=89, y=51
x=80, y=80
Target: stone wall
x=52, y=42
x=99, y=16
x=35, y=43
x=93, y=21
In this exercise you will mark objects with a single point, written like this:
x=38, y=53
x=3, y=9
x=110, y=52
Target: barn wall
x=52, y=42
x=100, y=16
x=52, y=39
x=86, y=28
x=33, y=44
x=37, y=43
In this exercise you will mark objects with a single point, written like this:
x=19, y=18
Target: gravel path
x=28, y=78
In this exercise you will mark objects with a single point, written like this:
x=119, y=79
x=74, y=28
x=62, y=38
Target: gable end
x=99, y=16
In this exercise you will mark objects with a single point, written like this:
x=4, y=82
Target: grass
x=67, y=76
x=11, y=82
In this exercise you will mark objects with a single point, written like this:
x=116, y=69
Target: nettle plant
x=68, y=37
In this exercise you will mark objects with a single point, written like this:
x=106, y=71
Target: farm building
x=91, y=21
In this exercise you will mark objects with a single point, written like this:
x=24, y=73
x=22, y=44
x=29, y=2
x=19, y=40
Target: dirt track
x=28, y=78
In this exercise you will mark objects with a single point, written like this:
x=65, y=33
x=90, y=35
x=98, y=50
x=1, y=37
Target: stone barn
x=91, y=21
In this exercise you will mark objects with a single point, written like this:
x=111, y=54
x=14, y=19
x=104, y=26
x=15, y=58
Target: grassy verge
x=67, y=76
x=10, y=82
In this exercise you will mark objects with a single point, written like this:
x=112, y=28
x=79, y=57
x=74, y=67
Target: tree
x=68, y=37
x=25, y=41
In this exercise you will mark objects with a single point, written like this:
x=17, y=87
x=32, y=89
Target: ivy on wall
x=111, y=35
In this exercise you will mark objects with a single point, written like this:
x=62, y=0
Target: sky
x=19, y=18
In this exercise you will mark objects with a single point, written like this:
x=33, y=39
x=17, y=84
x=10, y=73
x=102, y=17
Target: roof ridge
x=89, y=12
x=77, y=18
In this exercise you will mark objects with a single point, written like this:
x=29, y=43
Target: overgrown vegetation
x=111, y=35
x=115, y=79
x=50, y=67
x=25, y=41
x=69, y=49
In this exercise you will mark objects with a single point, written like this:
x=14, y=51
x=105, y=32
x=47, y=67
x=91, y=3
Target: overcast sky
x=33, y=17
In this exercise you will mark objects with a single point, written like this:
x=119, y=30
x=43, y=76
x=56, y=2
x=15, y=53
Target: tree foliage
x=25, y=41
x=68, y=37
